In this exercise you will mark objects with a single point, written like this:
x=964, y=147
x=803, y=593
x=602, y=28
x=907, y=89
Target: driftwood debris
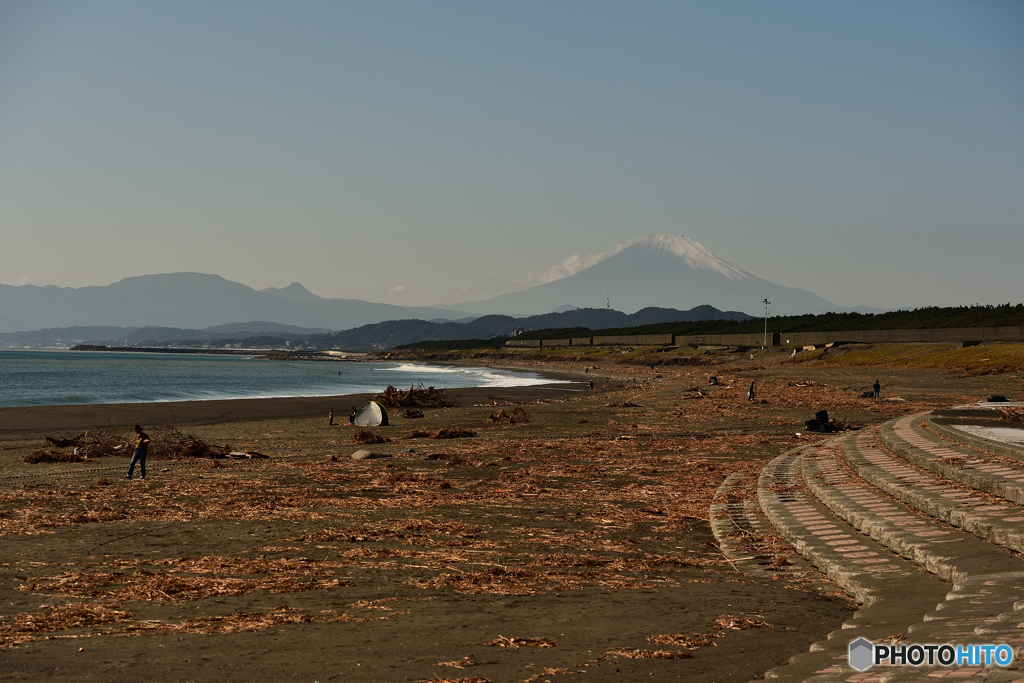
x=167, y=443
x=416, y=397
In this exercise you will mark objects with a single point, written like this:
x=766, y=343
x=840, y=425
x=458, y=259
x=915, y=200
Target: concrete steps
x=983, y=514
x=875, y=577
x=997, y=475
x=923, y=533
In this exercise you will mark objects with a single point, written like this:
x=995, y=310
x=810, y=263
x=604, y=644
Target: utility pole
x=766, y=304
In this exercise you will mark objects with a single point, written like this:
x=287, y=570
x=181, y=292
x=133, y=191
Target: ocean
x=33, y=378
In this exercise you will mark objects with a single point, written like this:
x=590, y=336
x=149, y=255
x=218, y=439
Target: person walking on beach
x=139, y=456
x=751, y=390
x=876, y=389
x=330, y=418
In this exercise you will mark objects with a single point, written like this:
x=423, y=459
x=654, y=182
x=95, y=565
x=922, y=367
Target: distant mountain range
x=662, y=271
x=376, y=336
x=667, y=271
x=194, y=301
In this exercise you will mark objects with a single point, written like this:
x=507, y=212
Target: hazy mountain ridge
x=189, y=301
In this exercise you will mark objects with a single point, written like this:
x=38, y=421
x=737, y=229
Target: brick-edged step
x=986, y=516
x=996, y=475
x=946, y=427
x=951, y=553
x=895, y=593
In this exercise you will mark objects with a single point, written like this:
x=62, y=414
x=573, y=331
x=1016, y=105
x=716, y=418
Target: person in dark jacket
x=139, y=455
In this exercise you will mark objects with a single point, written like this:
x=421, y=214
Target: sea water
x=31, y=378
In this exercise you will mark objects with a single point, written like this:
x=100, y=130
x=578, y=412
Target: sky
x=418, y=153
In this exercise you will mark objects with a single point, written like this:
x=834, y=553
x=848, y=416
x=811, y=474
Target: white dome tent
x=371, y=414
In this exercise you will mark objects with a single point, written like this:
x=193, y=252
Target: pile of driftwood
x=94, y=443
x=416, y=397
x=166, y=443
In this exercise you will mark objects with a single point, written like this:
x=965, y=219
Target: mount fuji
x=669, y=271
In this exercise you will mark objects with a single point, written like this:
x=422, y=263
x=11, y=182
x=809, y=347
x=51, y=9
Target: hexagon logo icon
x=862, y=654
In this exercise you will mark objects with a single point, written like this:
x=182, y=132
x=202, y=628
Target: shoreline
x=79, y=417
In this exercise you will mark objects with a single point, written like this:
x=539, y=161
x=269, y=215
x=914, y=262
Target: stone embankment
x=919, y=519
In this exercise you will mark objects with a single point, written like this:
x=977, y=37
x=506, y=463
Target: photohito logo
x=864, y=654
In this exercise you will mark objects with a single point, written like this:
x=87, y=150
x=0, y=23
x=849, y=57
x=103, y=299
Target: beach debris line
x=416, y=397
x=168, y=443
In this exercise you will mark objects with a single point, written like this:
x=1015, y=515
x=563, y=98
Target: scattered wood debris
x=416, y=397
x=366, y=436
x=503, y=641
x=692, y=642
x=647, y=654
x=516, y=416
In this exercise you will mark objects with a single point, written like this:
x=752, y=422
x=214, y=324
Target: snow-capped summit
x=695, y=255
x=667, y=271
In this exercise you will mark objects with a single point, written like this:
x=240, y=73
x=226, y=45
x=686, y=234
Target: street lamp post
x=766, y=303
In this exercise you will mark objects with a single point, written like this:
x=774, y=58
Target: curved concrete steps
x=931, y=558
x=944, y=423
x=985, y=515
x=893, y=591
x=997, y=475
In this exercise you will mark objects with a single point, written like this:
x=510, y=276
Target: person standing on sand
x=876, y=388
x=139, y=456
x=352, y=416
x=330, y=418
x=751, y=390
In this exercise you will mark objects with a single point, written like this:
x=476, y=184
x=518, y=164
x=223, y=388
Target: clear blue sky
x=428, y=152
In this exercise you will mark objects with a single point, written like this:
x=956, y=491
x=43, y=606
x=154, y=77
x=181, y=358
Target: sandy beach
x=574, y=546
